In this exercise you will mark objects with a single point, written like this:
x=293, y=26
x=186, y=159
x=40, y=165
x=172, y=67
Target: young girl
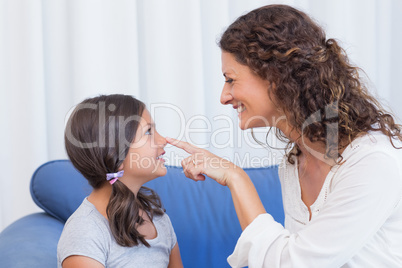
x=112, y=141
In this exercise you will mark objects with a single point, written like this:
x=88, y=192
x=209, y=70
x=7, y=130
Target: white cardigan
x=356, y=220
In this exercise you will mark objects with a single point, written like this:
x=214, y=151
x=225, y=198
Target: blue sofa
x=202, y=214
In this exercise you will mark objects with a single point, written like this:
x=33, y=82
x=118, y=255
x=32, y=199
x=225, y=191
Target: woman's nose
x=226, y=97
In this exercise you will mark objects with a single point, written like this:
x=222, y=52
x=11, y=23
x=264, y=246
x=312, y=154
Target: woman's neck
x=315, y=151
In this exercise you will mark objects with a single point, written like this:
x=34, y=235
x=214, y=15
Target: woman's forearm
x=246, y=201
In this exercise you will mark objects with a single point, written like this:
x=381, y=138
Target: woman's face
x=248, y=93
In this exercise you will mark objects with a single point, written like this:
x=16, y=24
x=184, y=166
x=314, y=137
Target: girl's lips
x=160, y=157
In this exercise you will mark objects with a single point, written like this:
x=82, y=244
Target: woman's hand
x=202, y=162
x=245, y=197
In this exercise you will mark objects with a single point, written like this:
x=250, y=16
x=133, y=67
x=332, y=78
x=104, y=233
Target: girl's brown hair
x=313, y=77
x=97, y=139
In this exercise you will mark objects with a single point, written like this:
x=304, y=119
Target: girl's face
x=144, y=160
x=248, y=93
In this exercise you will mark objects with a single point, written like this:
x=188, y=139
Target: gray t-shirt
x=87, y=233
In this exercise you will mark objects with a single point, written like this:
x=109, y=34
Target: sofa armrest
x=30, y=242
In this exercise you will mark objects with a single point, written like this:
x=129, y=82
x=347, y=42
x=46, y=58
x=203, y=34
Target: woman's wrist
x=235, y=177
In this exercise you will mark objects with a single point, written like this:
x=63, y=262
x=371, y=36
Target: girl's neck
x=100, y=198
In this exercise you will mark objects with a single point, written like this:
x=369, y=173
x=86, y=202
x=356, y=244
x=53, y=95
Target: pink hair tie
x=113, y=177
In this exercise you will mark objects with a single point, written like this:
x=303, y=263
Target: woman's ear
x=271, y=87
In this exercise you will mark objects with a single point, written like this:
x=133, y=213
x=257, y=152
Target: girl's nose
x=161, y=141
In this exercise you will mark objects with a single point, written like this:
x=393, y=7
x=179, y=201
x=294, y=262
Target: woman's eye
x=229, y=80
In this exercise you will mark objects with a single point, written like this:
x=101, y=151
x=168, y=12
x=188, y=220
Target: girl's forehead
x=146, y=118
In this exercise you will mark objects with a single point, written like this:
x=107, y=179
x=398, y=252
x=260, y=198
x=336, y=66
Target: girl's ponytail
x=124, y=216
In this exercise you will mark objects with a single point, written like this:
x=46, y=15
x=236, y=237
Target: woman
x=342, y=174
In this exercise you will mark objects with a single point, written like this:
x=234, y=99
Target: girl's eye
x=148, y=132
x=229, y=80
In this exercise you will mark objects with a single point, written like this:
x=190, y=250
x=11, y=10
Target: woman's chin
x=242, y=126
x=243, y=123
x=247, y=123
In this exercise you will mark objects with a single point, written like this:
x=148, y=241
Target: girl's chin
x=159, y=171
x=162, y=170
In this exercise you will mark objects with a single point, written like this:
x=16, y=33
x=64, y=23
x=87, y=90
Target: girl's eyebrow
x=151, y=125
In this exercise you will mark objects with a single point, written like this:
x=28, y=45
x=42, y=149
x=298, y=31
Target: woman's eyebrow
x=230, y=73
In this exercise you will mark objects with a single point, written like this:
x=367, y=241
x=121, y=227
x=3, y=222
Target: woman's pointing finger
x=182, y=145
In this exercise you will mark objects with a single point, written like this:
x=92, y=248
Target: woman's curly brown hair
x=317, y=88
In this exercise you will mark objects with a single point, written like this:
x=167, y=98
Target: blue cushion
x=30, y=242
x=58, y=188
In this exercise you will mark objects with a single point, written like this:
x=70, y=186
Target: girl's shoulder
x=161, y=219
x=165, y=230
x=84, y=233
x=163, y=223
x=86, y=209
x=85, y=222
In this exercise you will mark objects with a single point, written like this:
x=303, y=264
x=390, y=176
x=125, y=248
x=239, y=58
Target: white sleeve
x=364, y=195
